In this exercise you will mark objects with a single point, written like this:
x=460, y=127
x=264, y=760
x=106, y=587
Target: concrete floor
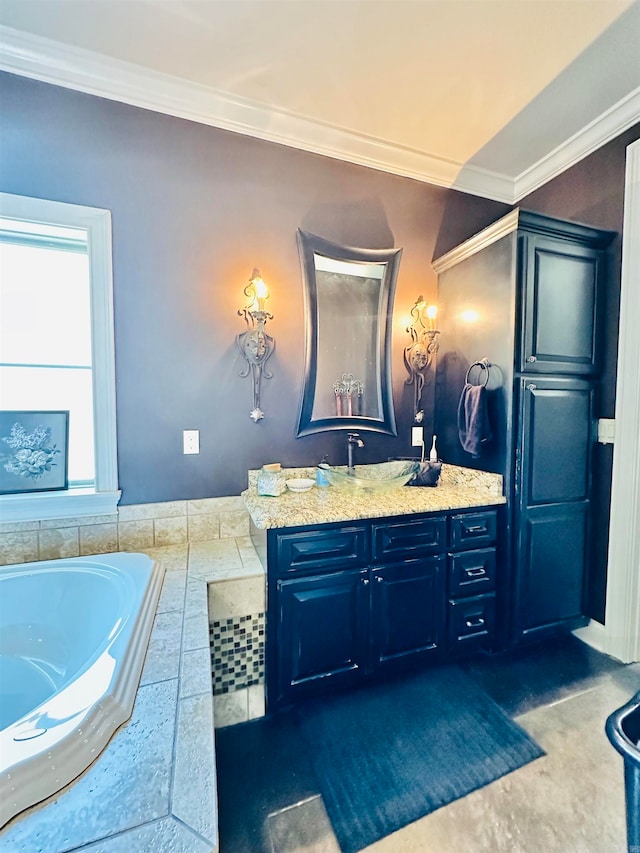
x=569, y=801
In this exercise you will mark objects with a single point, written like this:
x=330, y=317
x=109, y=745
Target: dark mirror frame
x=310, y=245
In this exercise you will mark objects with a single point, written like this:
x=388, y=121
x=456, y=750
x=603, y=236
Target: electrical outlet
x=606, y=430
x=417, y=436
x=191, y=440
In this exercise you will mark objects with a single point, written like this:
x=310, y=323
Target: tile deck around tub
x=154, y=786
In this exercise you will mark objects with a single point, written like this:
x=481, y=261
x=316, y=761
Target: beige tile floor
x=569, y=801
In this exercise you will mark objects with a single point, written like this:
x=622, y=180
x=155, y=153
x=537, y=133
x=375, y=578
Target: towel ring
x=484, y=366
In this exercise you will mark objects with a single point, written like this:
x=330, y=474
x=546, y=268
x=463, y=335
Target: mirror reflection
x=348, y=304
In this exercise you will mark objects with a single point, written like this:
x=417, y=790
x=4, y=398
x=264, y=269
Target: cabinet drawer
x=473, y=529
x=471, y=622
x=397, y=539
x=472, y=572
x=334, y=548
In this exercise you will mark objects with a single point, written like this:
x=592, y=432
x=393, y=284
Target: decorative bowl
x=300, y=484
x=384, y=476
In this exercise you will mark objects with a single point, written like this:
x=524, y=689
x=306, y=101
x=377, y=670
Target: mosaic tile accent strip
x=237, y=652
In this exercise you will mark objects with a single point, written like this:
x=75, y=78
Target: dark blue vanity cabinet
x=533, y=288
x=352, y=601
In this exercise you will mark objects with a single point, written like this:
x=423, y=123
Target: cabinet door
x=560, y=283
x=408, y=611
x=555, y=441
x=322, y=631
x=553, y=555
x=554, y=486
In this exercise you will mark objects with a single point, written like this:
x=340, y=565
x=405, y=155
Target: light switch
x=417, y=436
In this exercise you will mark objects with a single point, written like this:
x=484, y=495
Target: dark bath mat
x=392, y=753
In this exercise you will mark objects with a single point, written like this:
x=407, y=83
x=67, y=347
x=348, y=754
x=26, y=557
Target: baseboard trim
x=592, y=634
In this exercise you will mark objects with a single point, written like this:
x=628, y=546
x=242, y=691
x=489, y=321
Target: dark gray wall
x=194, y=210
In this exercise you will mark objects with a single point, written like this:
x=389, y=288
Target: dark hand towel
x=473, y=422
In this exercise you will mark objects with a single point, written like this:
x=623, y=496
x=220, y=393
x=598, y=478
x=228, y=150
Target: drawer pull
x=475, y=573
x=365, y=581
x=477, y=528
x=477, y=623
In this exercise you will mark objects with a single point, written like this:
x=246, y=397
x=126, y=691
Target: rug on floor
x=389, y=754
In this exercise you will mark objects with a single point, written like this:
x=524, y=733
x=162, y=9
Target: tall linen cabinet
x=525, y=295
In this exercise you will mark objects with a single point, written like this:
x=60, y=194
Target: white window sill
x=74, y=503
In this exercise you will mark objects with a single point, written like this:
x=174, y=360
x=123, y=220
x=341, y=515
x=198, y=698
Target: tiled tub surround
x=133, y=528
x=154, y=786
x=458, y=488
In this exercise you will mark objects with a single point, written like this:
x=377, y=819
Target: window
x=56, y=343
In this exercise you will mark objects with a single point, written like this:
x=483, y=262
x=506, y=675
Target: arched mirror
x=348, y=304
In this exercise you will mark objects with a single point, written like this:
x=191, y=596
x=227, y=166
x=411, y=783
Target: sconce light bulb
x=431, y=314
x=260, y=288
x=262, y=291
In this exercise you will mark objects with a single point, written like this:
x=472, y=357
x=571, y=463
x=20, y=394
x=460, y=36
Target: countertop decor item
x=271, y=480
x=300, y=484
x=427, y=475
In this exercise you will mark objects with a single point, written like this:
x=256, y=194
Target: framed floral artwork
x=33, y=451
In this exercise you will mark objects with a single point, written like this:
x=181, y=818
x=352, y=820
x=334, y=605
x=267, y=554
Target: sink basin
x=381, y=477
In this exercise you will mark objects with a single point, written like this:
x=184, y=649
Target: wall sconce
x=421, y=352
x=255, y=345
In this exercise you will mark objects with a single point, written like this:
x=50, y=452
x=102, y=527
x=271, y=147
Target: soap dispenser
x=321, y=477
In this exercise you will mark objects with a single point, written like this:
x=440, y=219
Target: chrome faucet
x=353, y=440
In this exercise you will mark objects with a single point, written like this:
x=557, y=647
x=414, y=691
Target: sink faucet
x=353, y=440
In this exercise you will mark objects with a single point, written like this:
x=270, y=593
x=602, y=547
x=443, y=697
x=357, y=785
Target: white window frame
x=104, y=497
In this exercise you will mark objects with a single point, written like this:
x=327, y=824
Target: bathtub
x=73, y=637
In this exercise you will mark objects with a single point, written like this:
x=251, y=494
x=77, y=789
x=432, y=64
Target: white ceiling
x=493, y=97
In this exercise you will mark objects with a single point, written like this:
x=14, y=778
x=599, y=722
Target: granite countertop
x=458, y=488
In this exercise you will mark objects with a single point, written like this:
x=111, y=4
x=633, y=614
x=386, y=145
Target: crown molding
x=85, y=71
x=95, y=74
x=492, y=233
x=477, y=181
x=614, y=121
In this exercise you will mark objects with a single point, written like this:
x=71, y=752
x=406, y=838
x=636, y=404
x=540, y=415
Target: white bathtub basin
x=73, y=636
